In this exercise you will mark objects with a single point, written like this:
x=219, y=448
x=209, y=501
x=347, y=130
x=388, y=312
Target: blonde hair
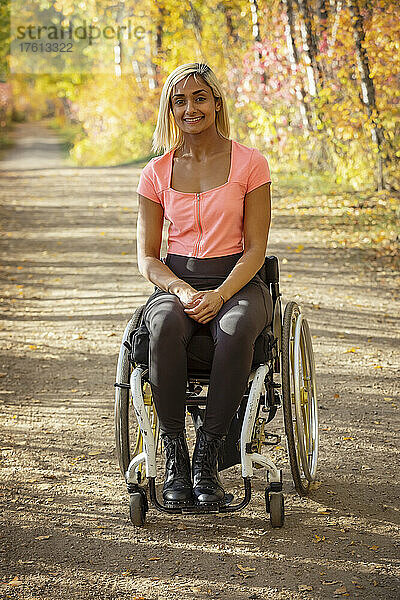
x=167, y=135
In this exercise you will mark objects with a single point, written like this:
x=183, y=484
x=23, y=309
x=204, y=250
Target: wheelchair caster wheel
x=267, y=501
x=137, y=509
x=276, y=508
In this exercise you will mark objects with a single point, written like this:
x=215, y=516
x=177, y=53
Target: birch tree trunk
x=310, y=46
x=195, y=19
x=159, y=42
x=226, y=9
x=305, y=112
x=323, y=16
x=257, y=36
x=367, y=87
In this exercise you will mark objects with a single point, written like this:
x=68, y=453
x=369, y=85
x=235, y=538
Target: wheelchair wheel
x=276, y=509
x=128, y=438
x=137, y=509
x=299, y=398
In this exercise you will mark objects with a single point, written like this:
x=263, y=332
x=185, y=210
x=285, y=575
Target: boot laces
x=207, y=457
x=175, y=458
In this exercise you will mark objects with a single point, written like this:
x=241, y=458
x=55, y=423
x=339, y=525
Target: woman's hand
x=204, y=306
x=185, y=292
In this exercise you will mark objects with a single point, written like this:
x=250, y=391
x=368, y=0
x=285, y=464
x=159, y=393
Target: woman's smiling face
x=193, y=105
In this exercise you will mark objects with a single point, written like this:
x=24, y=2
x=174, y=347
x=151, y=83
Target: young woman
x=215, y=193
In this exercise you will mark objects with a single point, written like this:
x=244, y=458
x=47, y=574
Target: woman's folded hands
x=201, y=306
x=204, y=305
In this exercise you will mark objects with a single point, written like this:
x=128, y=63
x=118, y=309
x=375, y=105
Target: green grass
x=339, y=215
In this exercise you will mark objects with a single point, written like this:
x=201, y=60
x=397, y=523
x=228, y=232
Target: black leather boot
x=177, y=489
x=207, y=486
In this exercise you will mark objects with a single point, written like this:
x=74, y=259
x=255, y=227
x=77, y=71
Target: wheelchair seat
x=200, y=349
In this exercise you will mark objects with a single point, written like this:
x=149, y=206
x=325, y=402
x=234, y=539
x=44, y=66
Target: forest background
x=313, y=84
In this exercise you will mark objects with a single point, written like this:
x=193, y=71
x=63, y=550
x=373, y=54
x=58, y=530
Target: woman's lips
x=196, y=120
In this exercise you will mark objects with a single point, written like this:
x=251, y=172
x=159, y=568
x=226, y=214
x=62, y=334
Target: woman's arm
x=257, y=219
x=149, y=237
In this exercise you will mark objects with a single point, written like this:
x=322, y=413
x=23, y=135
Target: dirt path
x=70, y=285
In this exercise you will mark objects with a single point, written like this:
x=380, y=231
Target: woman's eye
x=177, y=102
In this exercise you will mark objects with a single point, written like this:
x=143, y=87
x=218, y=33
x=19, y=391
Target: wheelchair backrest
x=269, y=272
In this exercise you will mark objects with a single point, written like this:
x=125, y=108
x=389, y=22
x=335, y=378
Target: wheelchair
x=282, y=376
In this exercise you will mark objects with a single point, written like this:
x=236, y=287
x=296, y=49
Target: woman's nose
x=190, y=108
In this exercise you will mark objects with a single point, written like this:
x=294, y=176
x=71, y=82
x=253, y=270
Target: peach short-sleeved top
x=205, y=224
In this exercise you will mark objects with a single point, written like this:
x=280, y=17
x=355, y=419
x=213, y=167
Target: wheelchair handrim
x=305, y=398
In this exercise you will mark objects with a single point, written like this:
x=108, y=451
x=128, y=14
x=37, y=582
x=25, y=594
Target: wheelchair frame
x=290, y=354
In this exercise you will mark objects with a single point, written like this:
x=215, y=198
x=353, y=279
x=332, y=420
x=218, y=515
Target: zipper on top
x=197, y=244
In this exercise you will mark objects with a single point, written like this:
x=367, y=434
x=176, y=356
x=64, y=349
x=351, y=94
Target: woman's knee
x=167, y=319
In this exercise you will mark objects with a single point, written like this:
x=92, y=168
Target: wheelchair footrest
x=212, y=507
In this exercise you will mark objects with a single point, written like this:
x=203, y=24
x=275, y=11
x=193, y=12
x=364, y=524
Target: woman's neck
x=202, y=145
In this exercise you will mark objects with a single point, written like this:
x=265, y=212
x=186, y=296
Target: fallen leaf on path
x=32, y=346
x=305, y=588
x=15, y=581
x=373, y=547
x=336, y=396
x=348, y=438
x=43, y=537
x=353, y=349
x=155, y=558
x=245, y=569
x=319, y=538
x=315, y=485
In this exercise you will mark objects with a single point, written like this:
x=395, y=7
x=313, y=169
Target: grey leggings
x=234, y=329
